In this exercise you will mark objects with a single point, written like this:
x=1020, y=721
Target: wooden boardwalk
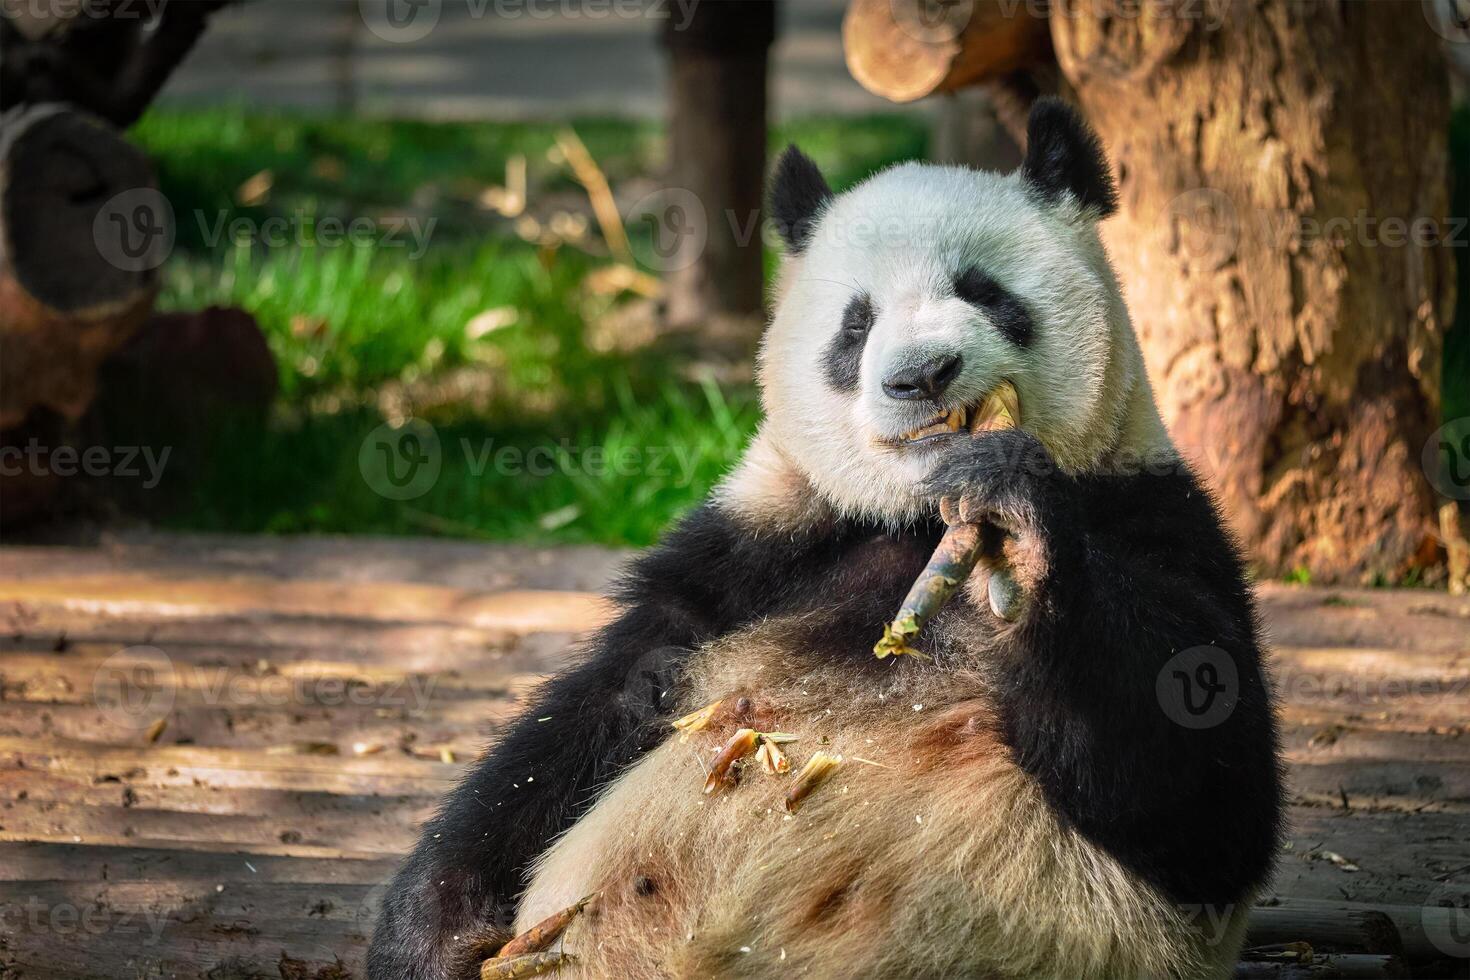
x=213, y=750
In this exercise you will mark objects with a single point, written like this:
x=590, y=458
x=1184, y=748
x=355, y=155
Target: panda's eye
x=976, y=288
x=1004, y=309
x=843, y=359
x=857, y=318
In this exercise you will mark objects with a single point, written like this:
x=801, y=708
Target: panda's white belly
x=927, y=853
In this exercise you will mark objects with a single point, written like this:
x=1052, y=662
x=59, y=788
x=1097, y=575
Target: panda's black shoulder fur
x=1139, y=569
x=1107, y=731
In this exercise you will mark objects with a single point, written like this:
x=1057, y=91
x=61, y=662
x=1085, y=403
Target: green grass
x=356, y=326
x=617, y=477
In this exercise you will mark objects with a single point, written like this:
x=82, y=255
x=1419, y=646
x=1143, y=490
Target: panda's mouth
x=1001, y=409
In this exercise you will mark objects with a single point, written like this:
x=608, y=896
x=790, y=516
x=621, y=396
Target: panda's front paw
x=1009, y=484
x=1006, y=479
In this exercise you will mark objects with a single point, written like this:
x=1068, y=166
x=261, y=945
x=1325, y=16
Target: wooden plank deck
x=317, y=696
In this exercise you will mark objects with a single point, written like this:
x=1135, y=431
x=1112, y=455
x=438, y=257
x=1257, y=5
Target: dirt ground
x=213, y=750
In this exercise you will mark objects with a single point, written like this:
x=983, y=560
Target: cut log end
x=904, y=50
x=60, y=171
x=70, y=295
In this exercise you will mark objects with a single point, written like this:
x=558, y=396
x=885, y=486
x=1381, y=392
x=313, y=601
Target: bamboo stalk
x=519, y=967
x=952, y=562
x=958, y=550
x=539, y=937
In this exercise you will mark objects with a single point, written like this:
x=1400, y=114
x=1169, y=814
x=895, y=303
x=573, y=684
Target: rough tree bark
x=1282, y=168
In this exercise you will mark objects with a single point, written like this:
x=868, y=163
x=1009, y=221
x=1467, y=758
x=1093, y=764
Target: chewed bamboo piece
x=745, y=742
x=539, y=937
x=696, y=721
x=816, y=771
x=772, y=760
x=958, y=550
x=518, y=967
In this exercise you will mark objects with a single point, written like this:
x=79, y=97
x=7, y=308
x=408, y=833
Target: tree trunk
x=1283, y=178
x=717, y=150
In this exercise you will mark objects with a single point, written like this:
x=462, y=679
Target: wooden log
x=1417, y=926
x=77, y=262
x=1351, y=966
x=1332, y=930
x=906, y=49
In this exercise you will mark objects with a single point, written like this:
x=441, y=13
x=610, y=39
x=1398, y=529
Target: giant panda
x=1022, y=800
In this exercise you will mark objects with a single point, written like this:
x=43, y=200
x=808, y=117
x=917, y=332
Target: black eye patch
x=843, y=358
x=1008, y=313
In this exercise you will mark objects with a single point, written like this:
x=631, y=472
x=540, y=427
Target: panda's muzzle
x=999, y=409
x=941, y=425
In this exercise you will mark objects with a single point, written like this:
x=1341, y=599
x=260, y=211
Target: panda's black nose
x=925, y=381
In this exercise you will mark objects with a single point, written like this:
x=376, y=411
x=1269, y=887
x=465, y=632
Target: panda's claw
x=972, y=510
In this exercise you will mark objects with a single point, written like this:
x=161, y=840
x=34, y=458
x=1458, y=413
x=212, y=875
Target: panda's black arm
x=457, y=891
x=1129, y=571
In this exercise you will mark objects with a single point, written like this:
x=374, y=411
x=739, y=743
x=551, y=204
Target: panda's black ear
x=798, y=194
x=1064, y=156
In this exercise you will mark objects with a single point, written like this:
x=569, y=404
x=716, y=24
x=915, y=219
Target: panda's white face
x=910, y=298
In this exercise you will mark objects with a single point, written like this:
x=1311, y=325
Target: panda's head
x=907, y=299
